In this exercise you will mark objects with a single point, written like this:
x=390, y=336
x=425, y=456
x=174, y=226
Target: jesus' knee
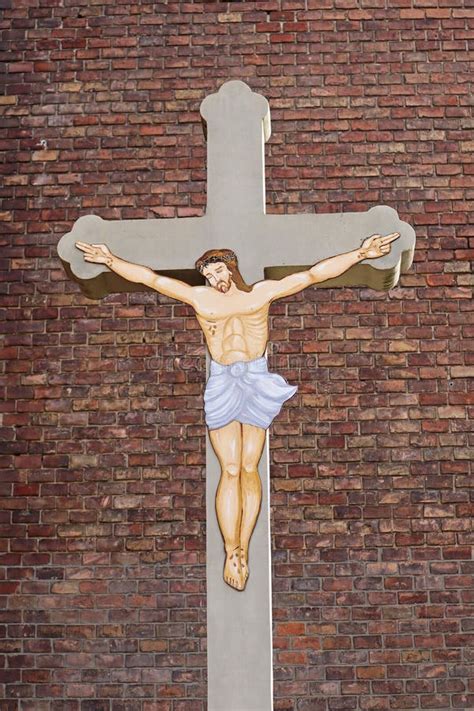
x=231, y=471
x=249, y=471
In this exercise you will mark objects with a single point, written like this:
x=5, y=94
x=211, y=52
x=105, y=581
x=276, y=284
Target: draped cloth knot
x=246, y=392
x=237, y=369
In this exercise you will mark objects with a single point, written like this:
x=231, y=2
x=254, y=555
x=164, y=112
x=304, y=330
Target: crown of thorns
x=229, y=257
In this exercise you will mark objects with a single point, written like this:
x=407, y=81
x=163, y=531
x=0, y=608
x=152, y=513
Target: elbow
x=149, y=280
x=316, y=276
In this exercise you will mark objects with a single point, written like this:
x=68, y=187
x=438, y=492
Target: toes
x=233, y=583
x=234, y=574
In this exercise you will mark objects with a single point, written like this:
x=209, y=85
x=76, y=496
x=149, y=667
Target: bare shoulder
x=203, y=293
x=262, y=289
x=176, y=288
x=203, y=298
x=273, y=289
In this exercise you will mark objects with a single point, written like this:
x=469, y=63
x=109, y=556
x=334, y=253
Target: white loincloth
x=244, y=391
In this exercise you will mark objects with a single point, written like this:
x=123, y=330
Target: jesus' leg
x=253, y=439
x=227, y=444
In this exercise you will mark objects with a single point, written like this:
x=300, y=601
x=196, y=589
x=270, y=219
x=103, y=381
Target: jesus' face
x=219, y=276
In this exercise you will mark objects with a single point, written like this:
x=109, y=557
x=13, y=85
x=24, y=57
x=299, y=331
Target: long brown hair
x=230, y=260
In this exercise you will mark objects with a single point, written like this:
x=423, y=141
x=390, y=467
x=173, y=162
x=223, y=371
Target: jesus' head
x=220, y=268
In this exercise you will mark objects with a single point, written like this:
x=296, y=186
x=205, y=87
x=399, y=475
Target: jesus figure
x=241, y=397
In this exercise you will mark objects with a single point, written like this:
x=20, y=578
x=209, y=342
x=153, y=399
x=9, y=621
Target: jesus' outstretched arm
x=101, y=254
x=373, y=247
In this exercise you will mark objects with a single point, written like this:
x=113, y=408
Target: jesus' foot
x=233, y=570
x=244, y=566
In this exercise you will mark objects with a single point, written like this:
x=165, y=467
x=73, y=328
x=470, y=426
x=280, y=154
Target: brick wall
x=102, y=520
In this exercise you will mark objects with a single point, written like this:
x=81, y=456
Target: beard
x=223, y=286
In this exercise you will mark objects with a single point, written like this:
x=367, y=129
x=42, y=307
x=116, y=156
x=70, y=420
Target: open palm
x=97, y=253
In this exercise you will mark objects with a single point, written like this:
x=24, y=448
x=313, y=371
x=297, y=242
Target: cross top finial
x=237, y=125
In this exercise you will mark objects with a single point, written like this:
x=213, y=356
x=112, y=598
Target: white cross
x=237, y=125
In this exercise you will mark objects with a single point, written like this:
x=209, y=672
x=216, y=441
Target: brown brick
x=103, y=438
x=45, y=155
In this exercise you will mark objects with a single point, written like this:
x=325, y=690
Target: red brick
x=102, y=437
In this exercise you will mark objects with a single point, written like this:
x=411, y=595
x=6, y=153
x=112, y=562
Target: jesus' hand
x=376, y=245
x=97, y=253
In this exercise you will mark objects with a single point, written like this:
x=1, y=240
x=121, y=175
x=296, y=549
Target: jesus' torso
x=235, y=328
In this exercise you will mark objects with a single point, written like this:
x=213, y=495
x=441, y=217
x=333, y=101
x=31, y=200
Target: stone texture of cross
x=237, y=125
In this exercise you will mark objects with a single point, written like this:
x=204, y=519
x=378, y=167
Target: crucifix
x=248, y=259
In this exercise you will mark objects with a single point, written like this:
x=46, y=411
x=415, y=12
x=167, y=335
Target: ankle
x=231, y=548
